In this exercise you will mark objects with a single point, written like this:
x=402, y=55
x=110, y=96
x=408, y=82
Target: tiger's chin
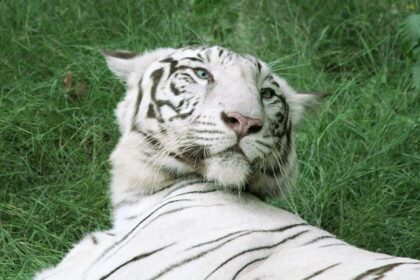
x=230, y=170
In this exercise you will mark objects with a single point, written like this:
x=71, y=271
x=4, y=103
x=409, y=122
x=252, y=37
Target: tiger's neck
x=138, y=169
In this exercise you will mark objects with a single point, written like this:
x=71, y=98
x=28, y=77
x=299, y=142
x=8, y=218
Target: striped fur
x=185, y=187
x=194, y=230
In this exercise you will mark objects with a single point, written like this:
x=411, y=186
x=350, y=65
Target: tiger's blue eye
x=202, y=73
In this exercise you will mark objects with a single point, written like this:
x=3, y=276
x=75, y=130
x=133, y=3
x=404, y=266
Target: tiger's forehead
x=218, y=58
x=217, y=55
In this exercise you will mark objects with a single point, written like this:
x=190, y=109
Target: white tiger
x=204, y=130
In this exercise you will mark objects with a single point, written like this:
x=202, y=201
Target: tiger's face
x=214, y=112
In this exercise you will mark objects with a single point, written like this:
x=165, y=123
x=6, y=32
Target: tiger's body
x=204, y=132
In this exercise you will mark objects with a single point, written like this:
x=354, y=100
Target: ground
x=359, y=155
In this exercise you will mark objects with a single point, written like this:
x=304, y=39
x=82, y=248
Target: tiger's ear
x=124, y=63
x=121, y=63
x=302, y=103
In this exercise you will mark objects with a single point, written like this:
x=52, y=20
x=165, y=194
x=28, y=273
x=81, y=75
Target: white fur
x=184, y=218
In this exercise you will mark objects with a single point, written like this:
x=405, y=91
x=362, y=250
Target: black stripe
x=183, y=184
x=250, y=232
x=151, y=140
x=319, y=238
x=156, y=145
x=220, y=52
x=288, y=146
x=205, y=138
x=263, y=144
x=135, y=227
x=246, y=265
x=217, y=239
x=131, y=217
x=151, y=112
x=94, y=239
x=156, y=77
x=183, y=115
x=208, y=131
x=200, y=192
x=193, y=59
x=275, y=101
x=274, y=83
x=272, y=171
x=161, y=103
x=255, y=249
x=386, y=258
x=172, y=65
x=172, y=184
x=137, y=105
x=335, y=244
x=178, y=210
x=285, y=114
x=259, y=66
x=136, y=258
x=199, y=255
x=258, y=149
x=181, y=159
x=125, y=202
x=378, y=271
x=174, y=89
x=320, y=271
x=205, y=123
x=269, y=78
x=189, y=78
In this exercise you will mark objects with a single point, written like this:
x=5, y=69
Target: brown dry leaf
x=68, y=81
x=74, y=90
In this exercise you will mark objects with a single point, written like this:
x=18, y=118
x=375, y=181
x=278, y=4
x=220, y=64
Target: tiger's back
x=200, y=232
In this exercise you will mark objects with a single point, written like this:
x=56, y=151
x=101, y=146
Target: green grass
x=360, y=156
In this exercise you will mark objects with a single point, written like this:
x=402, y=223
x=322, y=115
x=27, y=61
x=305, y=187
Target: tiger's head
x=207, y=111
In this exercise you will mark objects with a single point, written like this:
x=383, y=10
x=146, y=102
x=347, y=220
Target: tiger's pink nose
x=242, y=125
